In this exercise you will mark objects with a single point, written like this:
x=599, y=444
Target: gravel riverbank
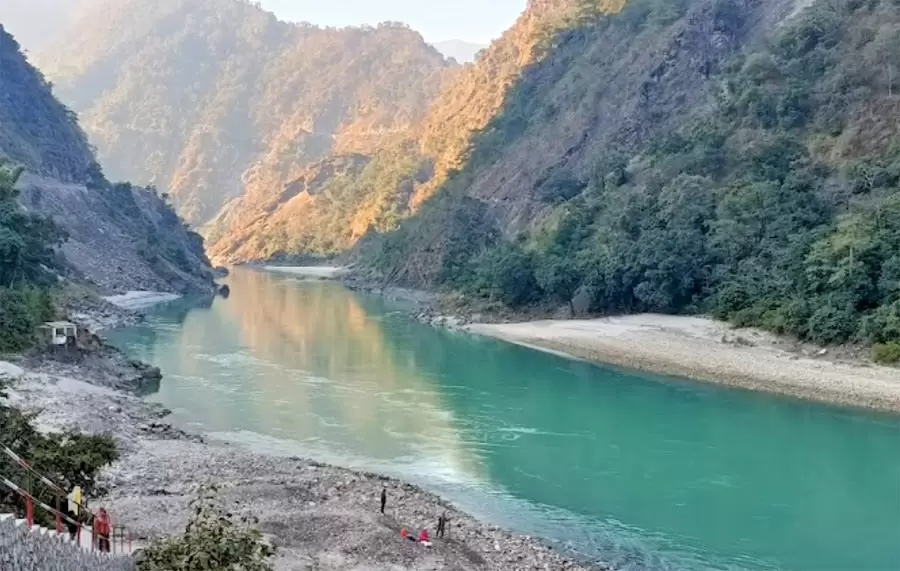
x=712, y=351
x=319, y=517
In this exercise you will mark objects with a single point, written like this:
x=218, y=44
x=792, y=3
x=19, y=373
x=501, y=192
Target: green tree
x=559, y=276
x=507, y=274
x=27, y=241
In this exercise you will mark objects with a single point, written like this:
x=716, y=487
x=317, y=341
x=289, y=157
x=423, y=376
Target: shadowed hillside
x=35, y=128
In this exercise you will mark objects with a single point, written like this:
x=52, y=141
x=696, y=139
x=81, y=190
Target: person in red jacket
x=101, y=530
x=423, y=537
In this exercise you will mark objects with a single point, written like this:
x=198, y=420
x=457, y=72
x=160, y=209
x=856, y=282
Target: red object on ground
x=424, y=535
x=404, y=533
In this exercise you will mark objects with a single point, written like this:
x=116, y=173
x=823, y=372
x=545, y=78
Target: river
x=641, y=471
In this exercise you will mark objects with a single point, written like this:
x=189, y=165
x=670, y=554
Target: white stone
x=10, y=371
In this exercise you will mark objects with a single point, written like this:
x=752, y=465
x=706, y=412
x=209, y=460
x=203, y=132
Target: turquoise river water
x=641, y=471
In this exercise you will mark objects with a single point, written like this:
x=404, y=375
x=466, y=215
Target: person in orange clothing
x=101, y=530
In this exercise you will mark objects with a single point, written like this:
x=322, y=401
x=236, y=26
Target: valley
x=589, y=212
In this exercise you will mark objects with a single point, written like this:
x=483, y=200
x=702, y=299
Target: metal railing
x=28, y=494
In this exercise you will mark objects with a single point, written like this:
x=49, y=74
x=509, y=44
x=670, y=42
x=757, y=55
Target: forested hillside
x=396, y=179
x=117, y=236
x=217, y=99
x=688, y=156
x=35, y=128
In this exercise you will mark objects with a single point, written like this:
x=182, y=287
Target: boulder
x=10, y=372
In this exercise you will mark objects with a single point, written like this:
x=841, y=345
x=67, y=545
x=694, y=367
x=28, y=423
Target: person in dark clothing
x=71, y=524
x=383, y=499
x=442, y=524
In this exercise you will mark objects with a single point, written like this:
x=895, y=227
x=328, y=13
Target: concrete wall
x=38, y=549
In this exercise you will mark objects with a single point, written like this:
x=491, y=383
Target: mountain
x=117, y=236
x=739, y=158
x=396, y=179
x=36, y=130
x=215, y=100
x=461, y=51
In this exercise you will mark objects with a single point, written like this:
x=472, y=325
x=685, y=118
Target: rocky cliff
x=119, y=236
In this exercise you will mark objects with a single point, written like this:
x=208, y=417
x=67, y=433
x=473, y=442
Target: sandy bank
x=317, y=272
x=708, y=350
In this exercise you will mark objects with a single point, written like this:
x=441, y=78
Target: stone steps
x=24, y=549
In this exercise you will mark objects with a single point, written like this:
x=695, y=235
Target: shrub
x=212, y=541
x=833, y=322
x=886, y=353
x=21, y=311
x=507, y=274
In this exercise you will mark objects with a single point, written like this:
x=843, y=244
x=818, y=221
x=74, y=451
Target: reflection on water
x=644, y=472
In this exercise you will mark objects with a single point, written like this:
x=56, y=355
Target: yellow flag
x=75, y=499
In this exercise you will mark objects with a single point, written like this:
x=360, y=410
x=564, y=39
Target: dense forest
x=758, y=183
x=232, y=120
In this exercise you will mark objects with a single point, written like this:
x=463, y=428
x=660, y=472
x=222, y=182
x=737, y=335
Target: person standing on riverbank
x=101, y=529
x=383, y=499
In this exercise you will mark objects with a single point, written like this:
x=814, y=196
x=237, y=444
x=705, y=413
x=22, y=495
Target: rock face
x=125, y=240
x=24, y=549
x=120, y=237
